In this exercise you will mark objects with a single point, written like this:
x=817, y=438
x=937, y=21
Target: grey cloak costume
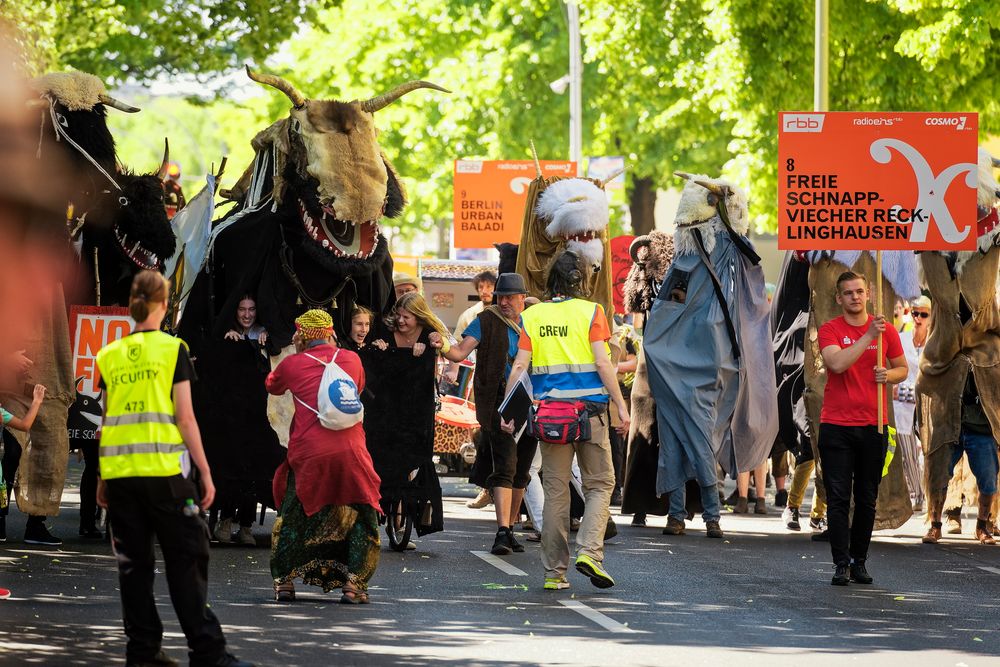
x=711, y=405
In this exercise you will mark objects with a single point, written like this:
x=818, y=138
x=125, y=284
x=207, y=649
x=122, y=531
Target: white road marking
x=500, y=564
x=994, y=570
x=597, y=617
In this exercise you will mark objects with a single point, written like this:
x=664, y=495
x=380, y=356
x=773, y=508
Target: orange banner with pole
x=489, y=198
x=877, y=181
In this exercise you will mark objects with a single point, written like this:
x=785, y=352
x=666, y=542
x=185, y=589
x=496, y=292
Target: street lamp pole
x=821, y=83
x=575, y=85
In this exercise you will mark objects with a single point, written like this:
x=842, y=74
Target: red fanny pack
x=560, y=422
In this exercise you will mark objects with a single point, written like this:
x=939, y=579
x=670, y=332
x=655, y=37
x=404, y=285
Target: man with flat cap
x=494, y=334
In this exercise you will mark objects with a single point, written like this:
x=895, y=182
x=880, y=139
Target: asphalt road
x=761, y=596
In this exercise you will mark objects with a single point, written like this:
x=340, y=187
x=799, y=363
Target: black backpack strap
x=717, y=285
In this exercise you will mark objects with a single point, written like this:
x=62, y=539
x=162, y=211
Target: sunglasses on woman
x=924, y=316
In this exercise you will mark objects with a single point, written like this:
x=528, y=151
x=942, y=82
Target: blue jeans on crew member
x=709, y=502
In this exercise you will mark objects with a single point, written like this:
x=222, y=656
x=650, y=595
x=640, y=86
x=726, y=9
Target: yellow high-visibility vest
x=562, y=359
x=139, y=437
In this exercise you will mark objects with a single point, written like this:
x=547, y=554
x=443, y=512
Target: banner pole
x=878, y=354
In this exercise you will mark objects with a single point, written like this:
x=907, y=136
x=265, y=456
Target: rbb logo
x=958, y=123
x=803, y=122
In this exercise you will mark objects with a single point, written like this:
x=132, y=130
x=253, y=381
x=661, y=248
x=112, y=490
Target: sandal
x=284, y=592
x=353, y=596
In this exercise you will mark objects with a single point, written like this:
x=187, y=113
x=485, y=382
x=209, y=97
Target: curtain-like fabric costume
x=712, y=376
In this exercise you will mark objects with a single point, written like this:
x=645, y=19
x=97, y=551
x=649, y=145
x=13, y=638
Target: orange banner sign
x=91, y=328
x=877, y=181
x=489, y=198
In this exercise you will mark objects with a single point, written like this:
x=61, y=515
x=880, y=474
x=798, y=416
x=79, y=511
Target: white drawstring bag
x=338, y=401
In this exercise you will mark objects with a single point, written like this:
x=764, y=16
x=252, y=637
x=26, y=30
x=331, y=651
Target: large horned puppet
x=119, y=223
x=707, y=346
x=305, y=232
x=963, y=348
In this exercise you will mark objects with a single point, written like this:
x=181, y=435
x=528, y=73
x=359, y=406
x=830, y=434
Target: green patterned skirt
x=337, y=545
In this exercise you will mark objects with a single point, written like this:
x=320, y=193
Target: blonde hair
x=148, y=287
x=414, y=302
x=921, y=302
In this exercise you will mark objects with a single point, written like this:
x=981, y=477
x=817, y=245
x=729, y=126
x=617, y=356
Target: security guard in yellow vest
x=149, y=439
x=564, y=341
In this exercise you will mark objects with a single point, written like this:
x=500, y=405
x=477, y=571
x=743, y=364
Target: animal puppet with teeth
x=117, y=213
x=707, y=346
x=567, y=214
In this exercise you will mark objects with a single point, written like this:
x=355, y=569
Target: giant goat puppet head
x=330, y=166
x=703, y=202
x=109, y=201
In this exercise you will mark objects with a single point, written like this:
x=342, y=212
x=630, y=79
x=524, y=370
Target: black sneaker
x=91, y=533
x=516, y=546
x=821, y=537
x=501, y=545
x=840, y=577
x=38, y=533
x=639, y=519
x=229, y=660
x=781, y=498
x=161, y=659
x=859, y=574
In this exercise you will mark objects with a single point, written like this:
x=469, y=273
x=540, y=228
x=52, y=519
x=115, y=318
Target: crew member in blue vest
x=149, y=439
x=564, y=342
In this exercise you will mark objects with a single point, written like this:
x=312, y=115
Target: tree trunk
x=642, y=202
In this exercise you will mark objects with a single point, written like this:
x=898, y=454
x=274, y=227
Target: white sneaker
x=245, y=537
x=790, y=517
x=224, y=531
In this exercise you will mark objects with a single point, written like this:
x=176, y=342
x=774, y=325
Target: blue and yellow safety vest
x=139, y=437
x=562, y=359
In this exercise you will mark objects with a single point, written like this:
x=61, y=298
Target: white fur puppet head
x=576, y=210
x=698, y=208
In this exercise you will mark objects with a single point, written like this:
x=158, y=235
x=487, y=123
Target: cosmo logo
x=958, y=123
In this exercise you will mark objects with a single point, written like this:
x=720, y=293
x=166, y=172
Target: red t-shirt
x=851, y=397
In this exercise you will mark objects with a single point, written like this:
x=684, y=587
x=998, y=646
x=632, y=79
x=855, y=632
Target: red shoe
x=4, y=594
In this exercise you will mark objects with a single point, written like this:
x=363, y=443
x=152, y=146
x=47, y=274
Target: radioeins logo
x=802, y=122
x=958, y=122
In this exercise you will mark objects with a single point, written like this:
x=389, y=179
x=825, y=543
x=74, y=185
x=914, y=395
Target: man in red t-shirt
x=850, y=446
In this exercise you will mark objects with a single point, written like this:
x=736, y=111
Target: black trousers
x=852, y=457
x=88, y=486
x=511, y=460
x=141, y=508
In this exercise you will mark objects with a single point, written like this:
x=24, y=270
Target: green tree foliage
x=671, y=84
x=139, y=39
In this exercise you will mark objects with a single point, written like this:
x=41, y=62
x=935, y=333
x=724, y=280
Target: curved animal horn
x=683, y=174
x=165, y=162
x=297, y=98
x=715, y=188
x=996, y=162
x=382, y=101
x=615, y=174
x=633, y=249
x=109, y=101
x=538, y=165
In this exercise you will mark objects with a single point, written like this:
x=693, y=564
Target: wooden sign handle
x=878, y=354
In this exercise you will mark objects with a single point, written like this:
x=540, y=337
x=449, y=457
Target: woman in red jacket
x=327, y=491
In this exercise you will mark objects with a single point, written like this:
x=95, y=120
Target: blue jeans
x=983, y=462
x=709, y=502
